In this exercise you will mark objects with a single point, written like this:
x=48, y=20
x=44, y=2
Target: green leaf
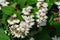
x=57, y=24
x=50, y=3
x=2, y=35
x=34, y=12
x=51, y=20
x=4, y=17
x=31, y=2
x=22, y=3
x=19, y=16
x=34, y=32
x=8, y=10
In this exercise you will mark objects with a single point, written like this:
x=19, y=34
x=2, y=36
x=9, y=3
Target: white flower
x=38, y=20
x=45, y=5
x=44, y=9
x=20, y=30
x=16, y=21
x=41, y=4
x=38, y=4
x=4, y=3
x=41, y=17
x=29, y=8
x=59, y=7
x=11, y=22
x=14, y=26
x=17, y=35
x=26, y=10
x=43, y=23
x=55, y=38
x=32, y=38
x=29, y=20
x=57, y=3
x=41, y=13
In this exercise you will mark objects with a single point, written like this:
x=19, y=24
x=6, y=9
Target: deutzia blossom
x=55, y=38
x=29, y=20
x=12, y=21
x=57, y=3
x=20, y=30
x=41, y=4
x=4, y=3
x=27, y=16
x=41, y=13
x=27, y=10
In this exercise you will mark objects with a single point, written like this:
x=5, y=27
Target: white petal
x=31, y=38
x=45, y=17
x=45, y=5
x=16, y=21
x=14, y=15
x=57, y=3
x=22, y=36
x=10, y=22
x=59, y=7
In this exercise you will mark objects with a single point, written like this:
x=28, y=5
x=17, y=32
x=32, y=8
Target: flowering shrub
x=29, y=19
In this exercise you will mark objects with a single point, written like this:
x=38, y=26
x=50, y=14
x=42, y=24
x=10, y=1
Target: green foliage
x=22, y=3
x=19, y=16
x=50, y=3
x=3, y=36
x=34, y=32
x=43, y=35
x=8, y=10
x=31, y=2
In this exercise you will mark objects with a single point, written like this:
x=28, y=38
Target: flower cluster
x=27, y=10
x=21, y=28
x=12, y=20
x=27, y=16
x=17, y=28
x=41, y=13
x=58, y=3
